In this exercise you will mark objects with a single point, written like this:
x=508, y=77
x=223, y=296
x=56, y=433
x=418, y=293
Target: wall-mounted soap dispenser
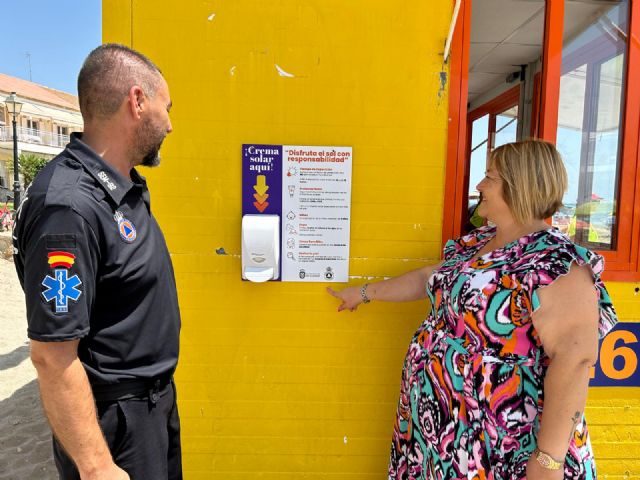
x=260, y=247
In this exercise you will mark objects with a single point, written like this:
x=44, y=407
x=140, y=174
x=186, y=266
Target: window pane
x=506, y=127
x=589, y=119
x=478, y=163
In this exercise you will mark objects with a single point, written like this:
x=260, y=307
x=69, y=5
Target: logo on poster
x=328, y=274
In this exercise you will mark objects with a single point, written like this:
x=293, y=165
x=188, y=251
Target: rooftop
x=40, y=93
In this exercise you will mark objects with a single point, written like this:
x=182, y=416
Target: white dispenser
x=260, y=247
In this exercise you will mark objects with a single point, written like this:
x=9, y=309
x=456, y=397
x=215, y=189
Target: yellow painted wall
x=273, y=383
x=614, y=413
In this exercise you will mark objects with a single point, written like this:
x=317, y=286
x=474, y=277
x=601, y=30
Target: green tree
x=30, y=165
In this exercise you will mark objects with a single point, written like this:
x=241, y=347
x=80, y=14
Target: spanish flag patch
x=61, y=259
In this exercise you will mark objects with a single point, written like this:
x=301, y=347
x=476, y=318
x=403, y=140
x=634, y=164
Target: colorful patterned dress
x=472, y=381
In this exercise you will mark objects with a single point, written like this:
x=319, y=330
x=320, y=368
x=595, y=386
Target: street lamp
x=14, y=107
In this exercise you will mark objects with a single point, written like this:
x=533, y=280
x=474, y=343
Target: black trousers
x=143, y=436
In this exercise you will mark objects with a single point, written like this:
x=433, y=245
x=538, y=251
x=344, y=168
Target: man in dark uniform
x=102, y=306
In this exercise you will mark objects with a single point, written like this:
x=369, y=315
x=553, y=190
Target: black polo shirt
x=94, y=266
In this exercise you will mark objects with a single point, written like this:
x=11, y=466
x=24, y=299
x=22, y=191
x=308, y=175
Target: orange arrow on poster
x=261, y=186
x=261, y=206
x=261, y=198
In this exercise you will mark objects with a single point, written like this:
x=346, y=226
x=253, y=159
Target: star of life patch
x=60, y=288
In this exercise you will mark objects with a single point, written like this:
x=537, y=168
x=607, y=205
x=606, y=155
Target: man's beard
x=149, y=142
x=152, y=158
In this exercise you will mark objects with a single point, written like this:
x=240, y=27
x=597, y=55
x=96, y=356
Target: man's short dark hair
x=107, y=75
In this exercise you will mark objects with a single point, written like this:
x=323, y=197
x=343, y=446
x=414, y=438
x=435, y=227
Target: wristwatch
x=547, y=461
x=363, y=293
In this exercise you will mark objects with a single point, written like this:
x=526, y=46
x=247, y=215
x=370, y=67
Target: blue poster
x=261, y=179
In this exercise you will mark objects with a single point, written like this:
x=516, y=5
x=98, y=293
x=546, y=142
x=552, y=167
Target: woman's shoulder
x=553, y=255
x=554, y=248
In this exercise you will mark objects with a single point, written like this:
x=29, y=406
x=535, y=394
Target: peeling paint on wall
x=443, y=83
x=282, y=73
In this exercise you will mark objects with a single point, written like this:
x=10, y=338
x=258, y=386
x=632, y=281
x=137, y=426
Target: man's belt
x=153, y=388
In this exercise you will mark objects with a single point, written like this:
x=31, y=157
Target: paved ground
x=25, y=438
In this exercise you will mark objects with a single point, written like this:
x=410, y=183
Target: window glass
x=506, y=127
x=478, y=164
x=589, y=119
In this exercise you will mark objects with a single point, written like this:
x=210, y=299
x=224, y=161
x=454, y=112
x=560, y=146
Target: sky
x=57, y=33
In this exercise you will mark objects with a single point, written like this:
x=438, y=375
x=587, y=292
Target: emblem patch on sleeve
x=61, y=259
x=60, y=288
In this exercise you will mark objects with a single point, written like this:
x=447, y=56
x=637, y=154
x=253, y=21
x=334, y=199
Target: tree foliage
x=30, y=165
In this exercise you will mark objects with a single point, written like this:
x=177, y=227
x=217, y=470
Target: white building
x=47, y=119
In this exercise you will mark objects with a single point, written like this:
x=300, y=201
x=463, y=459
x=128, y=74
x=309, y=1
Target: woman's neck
x=509, y=230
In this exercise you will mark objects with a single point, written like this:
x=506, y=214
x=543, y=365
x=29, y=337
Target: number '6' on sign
x=617, y=364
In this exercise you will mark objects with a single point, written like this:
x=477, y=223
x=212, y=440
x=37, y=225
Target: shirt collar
x=141, y=182
x=114, y=184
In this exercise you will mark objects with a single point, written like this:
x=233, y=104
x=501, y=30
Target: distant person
x=474, y=220
x=102, y=307
x=6, y=215
x=495, y=381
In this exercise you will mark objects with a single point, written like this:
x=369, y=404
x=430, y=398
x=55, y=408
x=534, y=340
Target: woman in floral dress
x=495, y=380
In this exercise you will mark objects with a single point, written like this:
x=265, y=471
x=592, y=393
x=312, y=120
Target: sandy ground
x=25, y=438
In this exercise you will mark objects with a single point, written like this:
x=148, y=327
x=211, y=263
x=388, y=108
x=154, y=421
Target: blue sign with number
x=618, y=355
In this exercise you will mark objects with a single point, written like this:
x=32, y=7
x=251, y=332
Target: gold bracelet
x=547, y=461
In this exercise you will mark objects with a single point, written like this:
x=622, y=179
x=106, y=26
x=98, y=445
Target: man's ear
x=136, y=101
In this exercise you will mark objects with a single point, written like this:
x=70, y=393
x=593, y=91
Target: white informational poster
x=316, y=213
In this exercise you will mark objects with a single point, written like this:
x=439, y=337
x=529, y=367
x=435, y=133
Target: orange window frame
x=493, y=107
x=622, y=264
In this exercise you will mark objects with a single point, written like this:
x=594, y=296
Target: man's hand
x=535, y=471
x=112, y=472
